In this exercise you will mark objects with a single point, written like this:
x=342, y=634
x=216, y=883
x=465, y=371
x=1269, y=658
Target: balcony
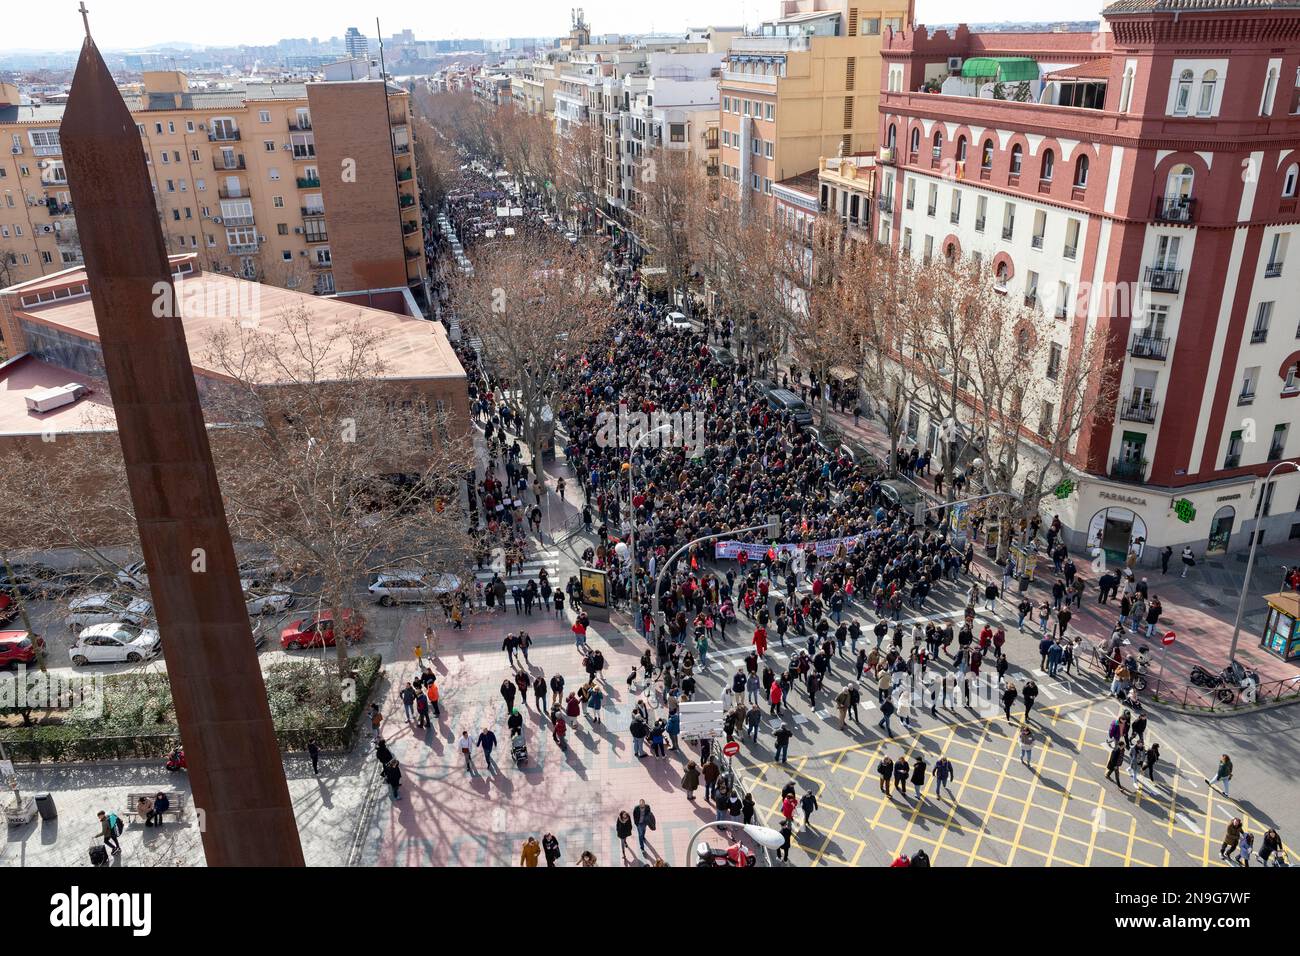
x=309, y=212
x=911, y=204
x=1232, y=461
x=1175, y=209
x=886, y=156
x=406, y=200
x=954, y=217
x=1124, y=469
x=1272, y=270
x=236, y=192
x=986, y=173
x=929, y=210
x=412, y=253
x=1044, y=186
x=1036, y=242
x=1031, y=299
x=308, y=182
x=1247, y=397
x=302, y=153
x=1139, y=410
x=402, y=177
x=1160, y=279
x=1069, y=251
x=242, y=248
x=236, y=220
x=1259, y=335
x=979, y=224
x=314, y=263
x=300, y=126
x=1008, y=231
x=409, y=228
x=883, y=203
x=321, y=236
x=57, y=209
x=223, y=163
x=401, y=149
x=224, y=136
x=1154, y=347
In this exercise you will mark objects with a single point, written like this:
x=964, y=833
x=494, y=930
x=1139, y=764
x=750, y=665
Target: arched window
x=950, y=252
x=1205, y=105
x=936, y=145
x=1081, y=173
x=1183, y=98
x=1001, y=276
x=1270, y=87
x=1289, y=181
x=1016, y=155
x=961, y=149
x=986, y=155
x=1049, y=163
x=916, y=139
x=893, y=132
x=1179, y=185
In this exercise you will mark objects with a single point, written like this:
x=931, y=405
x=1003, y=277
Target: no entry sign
x=731, y=749
x=1168, y=638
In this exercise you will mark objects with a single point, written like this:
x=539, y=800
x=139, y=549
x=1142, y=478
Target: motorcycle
x=176, y=760
x=1227, y=682
x=734, y=855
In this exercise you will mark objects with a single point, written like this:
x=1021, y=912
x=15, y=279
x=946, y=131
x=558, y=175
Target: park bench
x=175, y=797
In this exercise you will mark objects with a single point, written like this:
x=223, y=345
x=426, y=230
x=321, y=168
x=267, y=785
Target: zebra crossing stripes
x=547, y=559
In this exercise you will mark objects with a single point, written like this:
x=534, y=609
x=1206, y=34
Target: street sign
x=1169, y=638
x=731, y=749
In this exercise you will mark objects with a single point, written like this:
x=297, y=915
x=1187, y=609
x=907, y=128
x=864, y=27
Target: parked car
x=8, y=608
x=783, y=399
x=864, y=458
x=16, y=647
x=722, y=356
x=105, y=607
x=264, y=569
x=761, y=388
x=24, y=580
x=679, y=321
x=319, y=629
x=265, y=597
x=134, y=575
x=63, y=584
x=411, y=586
x=904, y=493
x=115, y=642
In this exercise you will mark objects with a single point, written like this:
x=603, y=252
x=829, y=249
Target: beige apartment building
x=804, y=86
x=307, y=186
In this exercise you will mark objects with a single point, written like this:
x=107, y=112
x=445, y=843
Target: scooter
x=176, y=760
x=734, y=855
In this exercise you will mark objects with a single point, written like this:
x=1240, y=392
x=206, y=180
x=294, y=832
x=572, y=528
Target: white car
x=105, y=608
x=114, y=643
x=412, y=585
x=133, y=575
x=263, y=597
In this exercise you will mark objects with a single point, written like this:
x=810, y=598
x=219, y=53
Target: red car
x=16, y=647
x=319, y=629
x=8, y=608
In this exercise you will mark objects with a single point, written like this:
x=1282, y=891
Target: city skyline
x=138, y=24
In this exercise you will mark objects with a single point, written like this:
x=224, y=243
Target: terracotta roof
x=26, y=374
x=1098, y=69
x=1197, y=6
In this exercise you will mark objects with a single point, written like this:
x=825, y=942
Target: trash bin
x=45, y=806
x=1024, y=583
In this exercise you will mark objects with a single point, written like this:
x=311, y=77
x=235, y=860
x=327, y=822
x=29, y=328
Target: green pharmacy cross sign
x=1064, y=489
x=1185, y=511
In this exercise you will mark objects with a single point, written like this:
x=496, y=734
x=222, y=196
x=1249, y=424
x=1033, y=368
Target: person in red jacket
x=760, y=640
x=774, y=696
x=901, y=861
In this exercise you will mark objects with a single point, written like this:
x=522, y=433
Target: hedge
x=138, y=720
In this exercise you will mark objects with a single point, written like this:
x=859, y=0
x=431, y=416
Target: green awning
x=1005, y=69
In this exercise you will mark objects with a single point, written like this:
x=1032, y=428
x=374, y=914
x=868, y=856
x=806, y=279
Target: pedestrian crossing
x=535, y=561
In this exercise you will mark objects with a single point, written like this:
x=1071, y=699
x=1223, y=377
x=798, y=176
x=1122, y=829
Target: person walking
x=623, y=829
x=943, y=773
x=551, y=848
x=1026, y=745
x=1189, y=560
x=753, y=717
x=886, y=711
x=710, y=772
x=486, y=742
x=1231, y=837
x=1114, y=763
x=643, y=818
x=1009, y=693
x=313, y=752
x=918, y=775
x=691, y=779
x=1270, y=844
x=842, y=707
x=393, y=777
x=408, y=700
x=467, y=750
x=1028, y=695
x=901, y=771
x=808, y=804
x=1245, y=847
x=110, y=826
x=1153, y=755
x=787, y=833
x=1136, y=756
x=775, y=696
x=782, y=737
x=530, y=853
x=1223, y=776
x=886, y=771
x=638, y=729
x=508, y=691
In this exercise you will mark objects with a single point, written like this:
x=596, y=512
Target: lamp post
x=765, y=837
x=772, y=527
x=1250, y=563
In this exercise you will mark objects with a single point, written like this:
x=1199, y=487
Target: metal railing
x=1128, y=470
x=231, y=136
x=1136, y=410
x=1149, y=347
x=1161, y=279
x=1175, y=209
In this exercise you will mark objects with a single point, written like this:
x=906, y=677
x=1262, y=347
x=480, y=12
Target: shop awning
x=1005, y=69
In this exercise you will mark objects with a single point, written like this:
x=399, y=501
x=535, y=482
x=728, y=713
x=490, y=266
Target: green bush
x=139, y=722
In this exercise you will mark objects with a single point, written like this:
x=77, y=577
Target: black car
x=782, y=399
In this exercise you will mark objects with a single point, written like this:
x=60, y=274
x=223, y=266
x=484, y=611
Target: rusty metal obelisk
x=225, y=722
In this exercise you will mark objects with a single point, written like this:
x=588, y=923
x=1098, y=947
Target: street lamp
x=765, y=837
x=1250, y=563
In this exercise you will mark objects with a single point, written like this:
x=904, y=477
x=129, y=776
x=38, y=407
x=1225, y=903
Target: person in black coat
x=918, y=774
x=901, y=771
x=551, y=848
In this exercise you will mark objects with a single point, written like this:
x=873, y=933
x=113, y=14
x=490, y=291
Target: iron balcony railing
x=1139, y=410
x=1149, y=347
x=1175, y=209
x=1160, y=279
x=1126, y=469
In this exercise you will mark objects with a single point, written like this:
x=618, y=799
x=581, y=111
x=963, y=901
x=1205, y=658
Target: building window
x=1206, y=104
x=961, y=149
x=1126, y=90
x=1081, y=173
x=1049, y=163
x=986, y=155
x=1270, y=88
x=1182, y=100
x=1016, y=156
x=1289, y=181
x=264, y=116
x=1054, y=362
x=916, y=140
x=1046, y=418
x=1278, y=445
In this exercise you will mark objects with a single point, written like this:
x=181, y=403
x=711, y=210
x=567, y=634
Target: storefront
x=1116, y=531
x=1221, y=530
x=1282, y=629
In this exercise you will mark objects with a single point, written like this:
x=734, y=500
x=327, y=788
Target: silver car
x=411, y=586
x=106, y=608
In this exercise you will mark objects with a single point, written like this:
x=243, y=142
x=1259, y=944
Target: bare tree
x=533, y=306
x=671, y=186
x=580, y=172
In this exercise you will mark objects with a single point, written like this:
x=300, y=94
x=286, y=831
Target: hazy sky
x=136, y=23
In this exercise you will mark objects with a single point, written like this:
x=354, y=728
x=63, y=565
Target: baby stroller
x=518, y=752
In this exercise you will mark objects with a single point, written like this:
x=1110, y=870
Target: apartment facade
x=803, y=87
x=236, y=173
x=1139, y=183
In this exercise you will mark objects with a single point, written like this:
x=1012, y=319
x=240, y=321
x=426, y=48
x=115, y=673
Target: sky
x=127, y=24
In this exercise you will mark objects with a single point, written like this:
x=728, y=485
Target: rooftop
x=26, y=375
x=1197, y=6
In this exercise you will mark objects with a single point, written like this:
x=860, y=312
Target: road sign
x=731, y=749
x=1168, y=639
